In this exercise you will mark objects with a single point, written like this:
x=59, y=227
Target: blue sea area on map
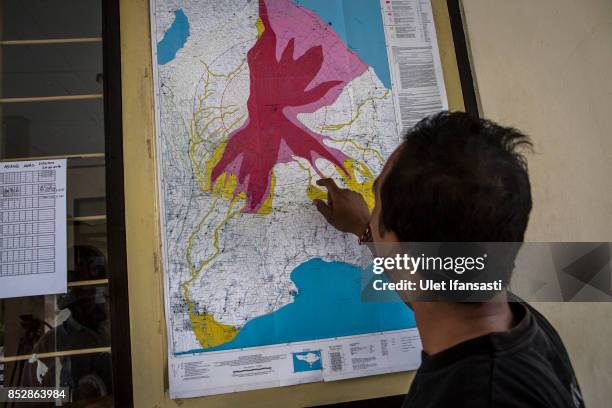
x=359, y=23
x=328, y=304
x=174, y=38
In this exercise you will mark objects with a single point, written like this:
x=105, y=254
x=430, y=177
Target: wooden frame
x=146, y=305
x=115, y=208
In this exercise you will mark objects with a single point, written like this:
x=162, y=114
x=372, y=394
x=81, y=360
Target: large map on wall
x=256, y=100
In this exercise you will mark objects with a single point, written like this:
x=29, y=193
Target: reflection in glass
x=39, y=19
x=36, y=62
x=86, y=187
x=51, y=69
x=52, y=128
x=75, y=321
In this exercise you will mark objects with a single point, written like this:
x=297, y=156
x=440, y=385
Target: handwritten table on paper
x=32, y=228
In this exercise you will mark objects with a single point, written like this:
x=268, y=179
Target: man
x=456, y=178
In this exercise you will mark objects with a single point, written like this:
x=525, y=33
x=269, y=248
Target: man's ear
x=380, y=233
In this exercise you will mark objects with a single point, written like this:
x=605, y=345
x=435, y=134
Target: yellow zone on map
x=362, y=185
x=209, y=332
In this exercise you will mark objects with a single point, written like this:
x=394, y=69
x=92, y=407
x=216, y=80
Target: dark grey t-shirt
x=526, y=366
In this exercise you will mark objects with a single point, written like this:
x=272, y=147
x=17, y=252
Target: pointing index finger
x=329, y=184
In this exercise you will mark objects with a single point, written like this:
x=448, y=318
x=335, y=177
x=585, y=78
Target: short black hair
x=457, y=178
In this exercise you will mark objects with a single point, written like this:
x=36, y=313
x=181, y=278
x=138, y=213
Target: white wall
x=545, y=67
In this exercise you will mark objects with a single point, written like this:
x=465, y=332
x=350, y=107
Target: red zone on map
x=281, y=87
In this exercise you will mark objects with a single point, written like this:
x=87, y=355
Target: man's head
x=455, y=178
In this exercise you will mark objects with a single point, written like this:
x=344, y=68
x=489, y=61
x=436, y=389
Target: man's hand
x=345, y=210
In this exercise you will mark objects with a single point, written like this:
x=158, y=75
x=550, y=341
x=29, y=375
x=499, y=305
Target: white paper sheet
x=32, y=228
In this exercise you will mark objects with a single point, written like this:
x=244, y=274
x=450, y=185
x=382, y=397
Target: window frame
x=115, y=207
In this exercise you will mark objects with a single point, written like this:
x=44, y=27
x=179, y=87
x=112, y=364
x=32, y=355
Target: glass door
x=60, y=99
